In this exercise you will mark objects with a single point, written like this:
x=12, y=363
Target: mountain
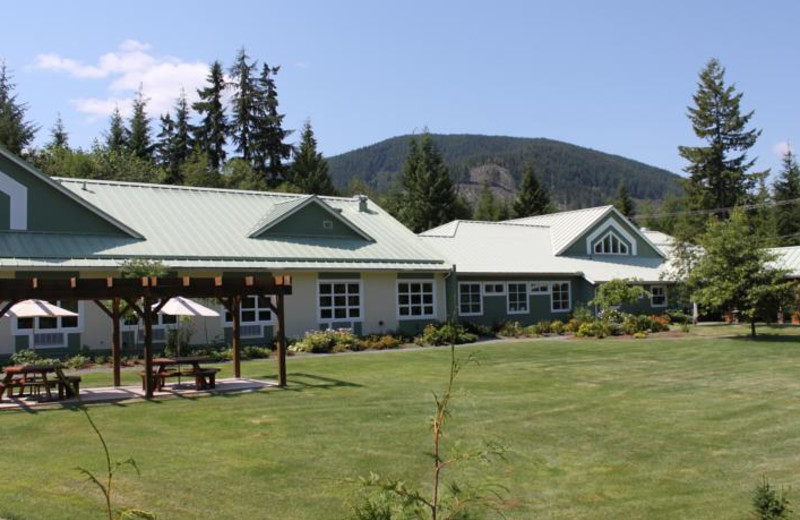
x=577, y=176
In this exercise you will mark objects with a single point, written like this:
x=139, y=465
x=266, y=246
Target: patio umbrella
x=180, y=306
x=38, y=309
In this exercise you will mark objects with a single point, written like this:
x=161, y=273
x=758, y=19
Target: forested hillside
x=577, y=177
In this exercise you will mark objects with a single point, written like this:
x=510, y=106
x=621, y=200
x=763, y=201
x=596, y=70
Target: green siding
x=51, y=210
x=643, y=248
x=412, y=327
x=308, y=222
x=267, y=337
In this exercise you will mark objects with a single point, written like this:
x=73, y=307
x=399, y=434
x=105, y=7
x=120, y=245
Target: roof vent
x=362, y=203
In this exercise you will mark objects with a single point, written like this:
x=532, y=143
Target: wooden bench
x=205, y=378
x=160, y=378
x=68, y=386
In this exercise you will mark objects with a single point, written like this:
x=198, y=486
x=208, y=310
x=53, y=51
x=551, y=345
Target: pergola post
x=235, y=305
x=147, y=318
x=116, y=340
x=280, y=336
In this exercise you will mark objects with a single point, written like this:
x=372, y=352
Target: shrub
x=511, y=329
x=543, y=327
x=769, y=503
x=582, y=315
x=24, y=357
x=557, y=327
x=444, y=334
x=379, y=342
x=100, y=359
x=586, y=330
x=323, y=341
x=572, y=326
x=482, y=331
x=639, y=335
x=256, y=352
x=77, y=361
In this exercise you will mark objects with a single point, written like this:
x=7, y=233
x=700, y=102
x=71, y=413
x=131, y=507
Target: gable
x=30, y=201
x=621, y=230
x=309, y=219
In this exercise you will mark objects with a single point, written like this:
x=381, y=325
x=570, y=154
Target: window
x=470, y=302
x=340, y=300
x=415, y=299
x=611, y=244
x=517, y=298
x=560, y=297
x=327, y=224
x=254, y=309
x=494, y=289
x=540, y=288
x=658, y=296
x=51, y=324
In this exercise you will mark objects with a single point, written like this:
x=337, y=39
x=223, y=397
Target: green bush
x=769, y=503
x=24, y=357
x=639, y=335
x=511, y=329
x=482, y=331
x=324, y=341
x=100, y=359
x=77, y=361
x=543, y=327
x=444, y=334
x=557, y=327
x=572, y=326
x=379, y=342
x=582, y=315
x=255, y=352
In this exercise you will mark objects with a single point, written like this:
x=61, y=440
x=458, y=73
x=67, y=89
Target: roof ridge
x=559, y=213
x=177, y=187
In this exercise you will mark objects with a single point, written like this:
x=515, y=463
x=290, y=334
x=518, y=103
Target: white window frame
x=604, y=229
x=663, y=289
x=480, y=299
x=420, y=281
x=257, y=325
x=611, y=236
x=569, y=296
x=525, y=294
x=540, y=288
x=489, y=288
x=36, y=329
x=333, y=318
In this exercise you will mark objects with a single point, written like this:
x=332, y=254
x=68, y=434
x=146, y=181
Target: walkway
x=110, y=394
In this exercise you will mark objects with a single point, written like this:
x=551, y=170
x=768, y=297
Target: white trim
x=333, y=319
x=540, y=284
x=569, y=296
x=527, y=298
x=603, y=228
x=18, y=202
x=664, y=289
x=611, y=236
x=494, y=286
x=431, y=281
x=480, y=299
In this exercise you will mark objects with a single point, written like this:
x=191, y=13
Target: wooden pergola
x=145, y=296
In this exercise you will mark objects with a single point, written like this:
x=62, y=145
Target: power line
x=718, y=210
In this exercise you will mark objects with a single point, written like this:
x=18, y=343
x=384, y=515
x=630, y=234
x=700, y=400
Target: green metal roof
x=211, y=228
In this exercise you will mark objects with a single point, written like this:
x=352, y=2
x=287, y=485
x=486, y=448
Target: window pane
x=25, y=323
x=352, y=288
x=325, y=288
x=48, y=323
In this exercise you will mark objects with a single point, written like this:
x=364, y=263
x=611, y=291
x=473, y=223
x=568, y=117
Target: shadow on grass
x=298, y=381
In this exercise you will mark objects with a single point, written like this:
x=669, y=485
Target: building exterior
x=541, y=268
x=352, y=264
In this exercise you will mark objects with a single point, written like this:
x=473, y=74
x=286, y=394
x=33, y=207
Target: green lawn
x=672, y=428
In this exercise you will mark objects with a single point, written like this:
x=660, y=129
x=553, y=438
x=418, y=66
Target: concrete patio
x=111, y=394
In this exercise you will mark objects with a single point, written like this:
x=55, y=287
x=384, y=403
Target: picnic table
x=35, y=379
x=204, y=377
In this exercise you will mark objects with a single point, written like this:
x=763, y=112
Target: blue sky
x=614, y=76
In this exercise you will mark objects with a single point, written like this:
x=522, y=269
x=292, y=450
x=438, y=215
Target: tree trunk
x=753, y=328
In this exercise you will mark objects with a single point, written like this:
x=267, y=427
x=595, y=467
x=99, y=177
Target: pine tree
x=59, y=139
x=211, y=134
x=488, y=207
x=139, y=141
x=164, y=143
x=244, y=111
x=429, y=194
x=117, y=135
x=719, y=173
x=269, y=150
x=309, y=172
x=15, y=132
x=624, y=202
x=532, y=198
x=787, y=188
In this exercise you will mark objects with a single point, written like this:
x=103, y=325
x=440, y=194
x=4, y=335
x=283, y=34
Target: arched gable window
x=611, y=244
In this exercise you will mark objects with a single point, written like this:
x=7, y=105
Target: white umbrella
x=38, y=309
x=180, y=306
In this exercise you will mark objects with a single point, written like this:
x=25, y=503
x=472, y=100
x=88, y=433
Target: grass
x=658, y=428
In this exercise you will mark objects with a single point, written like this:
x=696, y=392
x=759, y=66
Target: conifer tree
x=429, y=194
x=787, y=214
x=164, y=145
x=532, y=198
x=139, y=141
x=624, y=202
x=269, y=150
x=309, y=172
x=15, y=132
x=488, y=207
x=210, y=135
x=117, y=135
x=59, y=139
x=244, y=105
x=719, y=172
